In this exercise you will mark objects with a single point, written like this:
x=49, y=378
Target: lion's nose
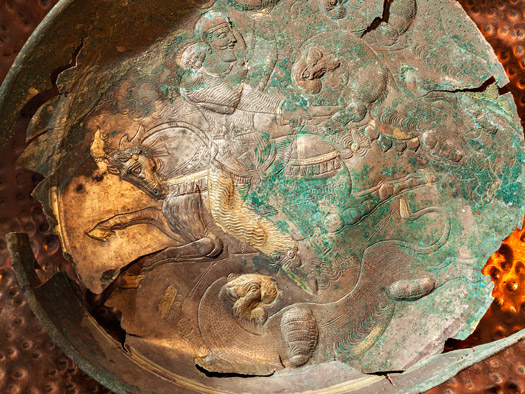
x=268, y=295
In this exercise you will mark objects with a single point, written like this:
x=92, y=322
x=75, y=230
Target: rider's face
x=223, y=42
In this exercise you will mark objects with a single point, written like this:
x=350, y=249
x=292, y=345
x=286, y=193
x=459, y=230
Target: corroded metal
x=210, y=244
x=125, y=371
x=18, y=19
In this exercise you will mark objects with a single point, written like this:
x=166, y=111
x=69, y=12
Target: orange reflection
x=506, y=315
x=506, y=267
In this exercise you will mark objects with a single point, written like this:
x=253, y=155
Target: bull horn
x=97, y=147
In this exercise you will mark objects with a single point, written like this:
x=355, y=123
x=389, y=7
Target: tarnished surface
x=125, y=371
x=282, y=212
x=18, y=19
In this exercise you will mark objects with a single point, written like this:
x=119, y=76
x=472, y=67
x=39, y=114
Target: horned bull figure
x=182, y=216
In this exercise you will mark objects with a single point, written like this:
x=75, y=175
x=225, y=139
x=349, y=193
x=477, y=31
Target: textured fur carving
x=228, y=211
x=342, y=330
x=251, y=294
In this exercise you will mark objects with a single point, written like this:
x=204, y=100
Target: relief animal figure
x=308, y=71
x=181, y=215
x=195, y=196
x=348, y=76
x=250, y=150
x=352, y=77
x=244, y=123
x=241, y=121
x=248, y=127
x=369, y=97
x=242, y=339
x=196, y=204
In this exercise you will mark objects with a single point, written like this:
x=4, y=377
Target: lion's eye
x=253, y=288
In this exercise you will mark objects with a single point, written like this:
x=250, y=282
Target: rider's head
x=215, y=29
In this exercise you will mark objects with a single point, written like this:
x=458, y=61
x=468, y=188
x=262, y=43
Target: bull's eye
x=333, y=3
x=136, y=170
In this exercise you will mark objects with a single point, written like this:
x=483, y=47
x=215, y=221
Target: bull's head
x=137, y=167
x=135, y=164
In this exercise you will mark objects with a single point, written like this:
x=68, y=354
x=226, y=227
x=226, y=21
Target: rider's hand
x=294, y=114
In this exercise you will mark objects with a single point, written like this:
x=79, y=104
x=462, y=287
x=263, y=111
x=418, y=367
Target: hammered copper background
x=31, y=363
x=503, y=24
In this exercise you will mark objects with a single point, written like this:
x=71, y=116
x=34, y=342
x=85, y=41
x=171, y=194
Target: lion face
x=250, y=294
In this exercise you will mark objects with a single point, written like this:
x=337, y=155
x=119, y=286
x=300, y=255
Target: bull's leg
x=209, y=246
x=368, y=200
x=151, y=216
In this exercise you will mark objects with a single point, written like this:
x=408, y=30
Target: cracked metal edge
x=79, y=336
x=29, y=74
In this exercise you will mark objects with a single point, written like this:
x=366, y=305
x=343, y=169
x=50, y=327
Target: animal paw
x=411, y=290
x=100, y=233
x=300, y=332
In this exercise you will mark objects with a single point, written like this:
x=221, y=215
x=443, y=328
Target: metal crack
x=377, y=21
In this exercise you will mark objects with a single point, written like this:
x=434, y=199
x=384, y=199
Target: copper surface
x=275, y=251
x=33, y=364
x=18, y=19
x=30, y=362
